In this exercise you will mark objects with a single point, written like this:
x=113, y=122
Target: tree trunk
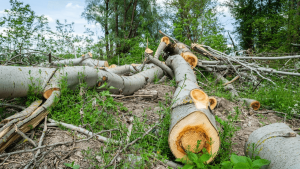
x=16, y=81
x=255, y=105
x=163, y=43
x=191, y=119
x=275, y=142
x=181, y=49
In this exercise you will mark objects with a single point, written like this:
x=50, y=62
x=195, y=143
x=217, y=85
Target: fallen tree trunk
x=16, y=81
x=84, y=60
x=181, y=49
x=120, y=70
x=277, y=143
x=72, y=76
x=191, y=119
x=162, y=45
x=255, y=105
x=159, y=63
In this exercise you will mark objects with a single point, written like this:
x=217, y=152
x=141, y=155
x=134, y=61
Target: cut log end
x=185, y=138
x=189, y=137
x=48, y=93
x=200, y=98
x=112, y=66
x=255, y=105
x=166, y=40
x=213, y=102
x=90, y=54
x=149, y=51
x=190, y=58
x=106, y=64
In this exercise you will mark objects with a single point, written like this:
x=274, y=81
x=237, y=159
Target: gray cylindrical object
x=273, y=143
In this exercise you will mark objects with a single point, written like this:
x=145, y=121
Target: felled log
x=254, y=104
x=39, y=78
x=120, y=70
x=277, y=143
x=72, y=76
x=162, y=45
x=146, y=93
x=191, y=119
x=84, y=60
x=181, y=49
x=198, y=48
x=16, y=81
x=158, y=63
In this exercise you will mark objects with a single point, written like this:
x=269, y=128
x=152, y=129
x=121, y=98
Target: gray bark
x=275, y=142
x=162, y=45
x=160, y=64
x=16, y=81
x=181, y=68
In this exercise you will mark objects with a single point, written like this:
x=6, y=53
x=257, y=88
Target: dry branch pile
x=192, y=119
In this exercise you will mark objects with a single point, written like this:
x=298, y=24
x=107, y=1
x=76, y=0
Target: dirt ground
x=248, y=122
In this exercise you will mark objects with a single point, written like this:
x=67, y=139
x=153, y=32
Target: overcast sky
x=71, y=10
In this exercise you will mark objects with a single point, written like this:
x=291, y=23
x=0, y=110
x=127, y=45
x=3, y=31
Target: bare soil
x=145, y=110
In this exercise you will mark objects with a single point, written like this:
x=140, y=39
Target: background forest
x=125, y=29
x=125, y=26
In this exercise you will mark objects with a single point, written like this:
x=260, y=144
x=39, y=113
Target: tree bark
x=162, y=45
x=255, y=105
x=277, y=143
x=181, y=49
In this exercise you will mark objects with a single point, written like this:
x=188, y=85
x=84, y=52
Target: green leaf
x=205, y=157
x=199, y=164
x=76, y=166
x=241, y=165
x=178, y=159
x=188, y=166
x=226, y=165
x=260, y=162
x=238, y=159
x=68, y=164
x=193, y=157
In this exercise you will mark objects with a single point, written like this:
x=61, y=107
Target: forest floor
x=145, y=110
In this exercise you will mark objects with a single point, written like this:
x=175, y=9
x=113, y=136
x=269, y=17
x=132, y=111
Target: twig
x=51, y=145
x=82, y=130
x=11, y=105
x=4, y=160
x=200, y=73
x=129, y=129
x=24, y=136
x=39, y=145
x=130, y=144
x=257, y=85
x=234, y=79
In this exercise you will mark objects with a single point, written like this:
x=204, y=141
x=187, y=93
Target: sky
x=71, y=10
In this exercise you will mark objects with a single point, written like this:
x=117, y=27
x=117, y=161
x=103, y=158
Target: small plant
x=72, y=165
x=193, y=161
x=243, y=162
